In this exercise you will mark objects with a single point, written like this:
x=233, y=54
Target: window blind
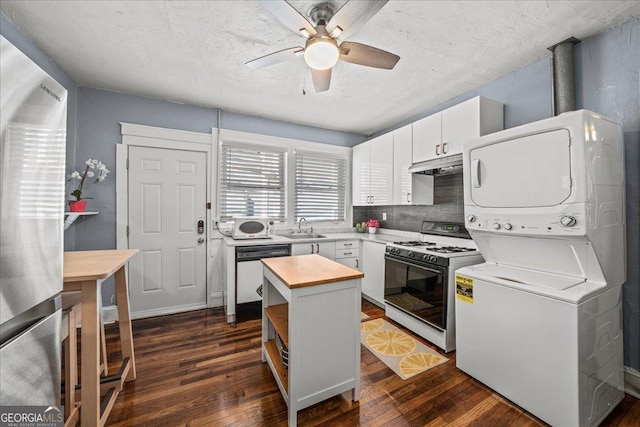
x=320, y=187
x=252, y=182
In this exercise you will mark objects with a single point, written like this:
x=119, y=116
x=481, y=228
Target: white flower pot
x=372, y=230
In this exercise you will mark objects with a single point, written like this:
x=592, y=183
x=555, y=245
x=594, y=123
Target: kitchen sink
x=305, y=236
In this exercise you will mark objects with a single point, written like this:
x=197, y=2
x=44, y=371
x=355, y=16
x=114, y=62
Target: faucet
x=300, y=224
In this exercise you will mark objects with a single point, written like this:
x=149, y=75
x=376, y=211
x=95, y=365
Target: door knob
x=200, y=240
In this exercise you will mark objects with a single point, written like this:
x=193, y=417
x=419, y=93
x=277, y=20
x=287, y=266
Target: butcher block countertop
x=94, y=265
x=309, y=270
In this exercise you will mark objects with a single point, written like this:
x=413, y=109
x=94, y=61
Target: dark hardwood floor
x=194, y=369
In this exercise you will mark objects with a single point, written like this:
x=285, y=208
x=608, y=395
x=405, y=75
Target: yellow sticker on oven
x=464, y=289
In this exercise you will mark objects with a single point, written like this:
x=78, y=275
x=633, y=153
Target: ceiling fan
x=322, y=51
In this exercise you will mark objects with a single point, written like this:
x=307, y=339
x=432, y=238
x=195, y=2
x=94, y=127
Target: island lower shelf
x=276, y=364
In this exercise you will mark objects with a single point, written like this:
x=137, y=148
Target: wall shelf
x=70, y=217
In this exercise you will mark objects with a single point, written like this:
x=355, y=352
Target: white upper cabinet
x=402, y=141
x=443, y=133
x=427, y=136
x=361, y=167
x=373, y=171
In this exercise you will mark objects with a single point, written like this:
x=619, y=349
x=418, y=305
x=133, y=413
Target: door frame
x=134, y=135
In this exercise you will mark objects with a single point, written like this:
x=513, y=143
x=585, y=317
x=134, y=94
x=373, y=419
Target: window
x=320, y=183
x=252, y=181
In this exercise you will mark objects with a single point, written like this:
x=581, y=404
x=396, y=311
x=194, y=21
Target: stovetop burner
x=451, y=249
x=414, y=243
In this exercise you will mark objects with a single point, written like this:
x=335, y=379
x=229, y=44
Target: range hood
x=441, y=166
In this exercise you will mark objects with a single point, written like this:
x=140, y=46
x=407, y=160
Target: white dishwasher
x=249, y=269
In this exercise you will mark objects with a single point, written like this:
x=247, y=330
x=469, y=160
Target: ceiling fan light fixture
x=321, y=53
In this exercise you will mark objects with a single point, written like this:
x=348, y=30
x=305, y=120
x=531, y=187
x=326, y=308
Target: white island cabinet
x=313, y=305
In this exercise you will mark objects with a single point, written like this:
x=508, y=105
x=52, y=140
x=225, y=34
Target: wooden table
x=85, y=271
x=313, y=304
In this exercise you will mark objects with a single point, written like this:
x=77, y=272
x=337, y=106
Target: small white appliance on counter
x=540, y=321
x=253, y=228
x=419, y=285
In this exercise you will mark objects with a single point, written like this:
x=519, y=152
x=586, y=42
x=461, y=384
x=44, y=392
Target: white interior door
x=167, y=199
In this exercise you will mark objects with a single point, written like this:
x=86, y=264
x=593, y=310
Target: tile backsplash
x=448, y=206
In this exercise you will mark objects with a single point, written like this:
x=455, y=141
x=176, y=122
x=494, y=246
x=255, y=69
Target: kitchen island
x=311, y=328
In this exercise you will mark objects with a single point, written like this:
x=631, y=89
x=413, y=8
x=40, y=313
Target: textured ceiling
x=194, y=52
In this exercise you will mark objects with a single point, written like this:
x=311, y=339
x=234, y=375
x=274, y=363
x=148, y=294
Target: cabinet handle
x=317, y=248
x=312, y=248
x=348, y=253
x=444, y=148
x=373, y=199
x=437, y=149
x=347, y=244
x=357, y=263
x=408, y=197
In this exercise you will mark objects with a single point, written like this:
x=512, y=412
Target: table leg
x=90, y=365
x=124, y=321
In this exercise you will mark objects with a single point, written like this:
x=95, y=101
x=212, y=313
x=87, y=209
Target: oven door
x=418, y=290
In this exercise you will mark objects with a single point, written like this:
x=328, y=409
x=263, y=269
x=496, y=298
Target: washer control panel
x=562, y=223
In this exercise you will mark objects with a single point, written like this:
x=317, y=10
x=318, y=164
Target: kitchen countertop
x=382, y=238
x=309, y=270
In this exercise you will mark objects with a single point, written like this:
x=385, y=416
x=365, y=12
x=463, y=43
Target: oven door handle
x=414, y=265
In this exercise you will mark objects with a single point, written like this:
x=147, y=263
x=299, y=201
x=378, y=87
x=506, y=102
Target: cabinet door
x=373, y=269
x=303, y=248
x=326, y=249
x=351, y=262
x=460, y=123
x=401, y=162
x=361, y=169
x=427, y=135
x=381, y=176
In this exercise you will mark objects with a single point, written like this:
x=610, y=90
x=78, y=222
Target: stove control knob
x=568, y=221
x=433, y=258
x=396, y=251
x=508, y=226
x=496, y=226
x=410, y=254
x=425, y=257
x=471, y=218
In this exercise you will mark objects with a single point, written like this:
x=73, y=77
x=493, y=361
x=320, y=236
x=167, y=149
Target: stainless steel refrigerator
x=33, y=117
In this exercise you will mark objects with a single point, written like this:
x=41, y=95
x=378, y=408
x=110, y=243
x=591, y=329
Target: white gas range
x=420, y=280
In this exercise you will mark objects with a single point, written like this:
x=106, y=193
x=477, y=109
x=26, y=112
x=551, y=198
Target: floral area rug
x=364, y=317
x=405, y=355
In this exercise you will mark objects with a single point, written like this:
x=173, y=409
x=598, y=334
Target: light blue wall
x=98, y=132
x=18, y=39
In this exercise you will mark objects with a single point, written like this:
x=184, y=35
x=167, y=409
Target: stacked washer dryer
x=540, y=321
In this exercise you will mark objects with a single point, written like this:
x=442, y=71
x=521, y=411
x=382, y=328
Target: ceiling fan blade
x=362, y=54
x=290, y=17
x=321, y=79
x=353, y=15
x=276, y=57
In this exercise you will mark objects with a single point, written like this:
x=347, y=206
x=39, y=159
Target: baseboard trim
x=217, y=299
x=168, y=310
x=110, y=314
x=632, y=382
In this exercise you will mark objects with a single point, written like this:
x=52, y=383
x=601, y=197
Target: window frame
x=225, y=136
x=345, y=183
